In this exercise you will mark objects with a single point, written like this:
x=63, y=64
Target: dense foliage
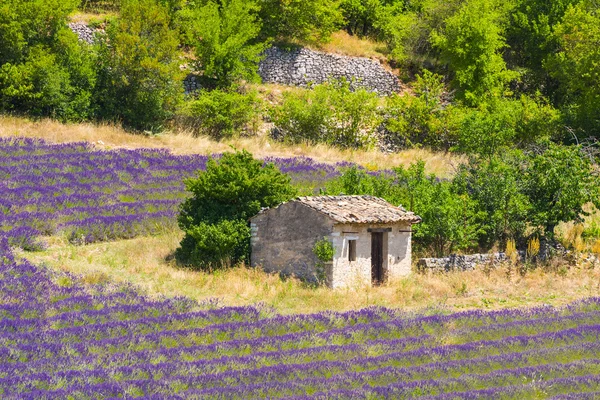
x=139, y=82
x=222, y=114
x=332, y=113
x=44, y=71
x=224, y=197
x=62, y=339
x=518, y=71
x=490, y=200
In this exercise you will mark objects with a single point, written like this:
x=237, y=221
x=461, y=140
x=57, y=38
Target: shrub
x=221, y=114
x=502, y=123
x=231, y=190
x=496, y=185
x=329, y=113
x=559, y=182
x=421, y=119
x=304, y=21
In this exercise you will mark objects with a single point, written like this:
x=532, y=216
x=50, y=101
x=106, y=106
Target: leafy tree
x=224, y=37
x=471, y=43
x=450, y=219
x=332, y=113
x=44, y=70
x=559, y=182
x=363, y=16
x=407, y=26
x=530, y=37
x=496, y=185
x=139, y=76
x=231, y=190
x=577, y=65
x=304, y=21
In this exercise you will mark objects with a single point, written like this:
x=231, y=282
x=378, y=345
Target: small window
x=351, y=250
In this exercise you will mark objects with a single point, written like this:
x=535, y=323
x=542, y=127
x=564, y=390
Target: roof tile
x=359, y=209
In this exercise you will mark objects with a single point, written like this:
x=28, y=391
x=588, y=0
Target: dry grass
x=106, y=136
x=142, y=262
x=343, y=43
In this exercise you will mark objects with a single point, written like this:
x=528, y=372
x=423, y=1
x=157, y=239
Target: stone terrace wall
x=456, y=262
x=85, y=33
x=302, y=66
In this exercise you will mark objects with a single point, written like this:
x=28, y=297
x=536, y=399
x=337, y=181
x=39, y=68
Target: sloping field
x=61, y=339
x=92, y=195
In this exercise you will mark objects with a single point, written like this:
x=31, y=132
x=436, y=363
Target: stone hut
x=371, y=239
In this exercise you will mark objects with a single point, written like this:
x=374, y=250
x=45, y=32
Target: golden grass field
x=144, y=261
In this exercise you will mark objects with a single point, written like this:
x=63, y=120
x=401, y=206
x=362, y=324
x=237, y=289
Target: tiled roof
x=359, y=209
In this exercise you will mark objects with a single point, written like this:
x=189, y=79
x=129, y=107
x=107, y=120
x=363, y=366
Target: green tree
x=139, y=77
x=406, y=28
x=450, y=219
x=224, y=37
x=530, y=38
x=44, y=69
x=471, y=43
x=499, y=123
x=496, y=185
x=577, y=65
x=304, y=21
x=559, y=182
x=231, y=190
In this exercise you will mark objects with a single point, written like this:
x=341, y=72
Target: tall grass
x=145, y=262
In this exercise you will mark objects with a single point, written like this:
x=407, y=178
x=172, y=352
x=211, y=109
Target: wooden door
x=377, y=258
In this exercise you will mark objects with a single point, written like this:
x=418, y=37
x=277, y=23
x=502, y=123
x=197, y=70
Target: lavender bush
x=91, y=195
x=62, y=339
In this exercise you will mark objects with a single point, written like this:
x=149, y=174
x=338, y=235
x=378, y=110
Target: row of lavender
x=91, y=195
x=59, y=339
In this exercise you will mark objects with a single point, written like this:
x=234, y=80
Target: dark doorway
x=377, y=276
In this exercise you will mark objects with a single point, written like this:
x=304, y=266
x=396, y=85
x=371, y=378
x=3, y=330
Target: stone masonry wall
x=283, y=238
x=458, y=262
x=302, y=66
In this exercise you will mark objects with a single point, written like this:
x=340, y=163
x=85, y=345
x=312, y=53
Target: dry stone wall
x=301, y=67
x=459, y=262
x=85, y=33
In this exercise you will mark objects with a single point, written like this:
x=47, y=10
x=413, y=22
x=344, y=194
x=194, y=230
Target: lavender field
x=91, y=195
x=62, y=339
